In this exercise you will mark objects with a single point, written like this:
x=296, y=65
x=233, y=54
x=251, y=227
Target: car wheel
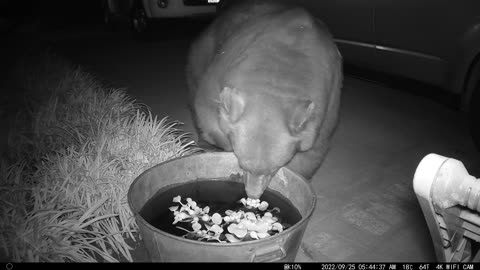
x=474, y=116
x=139, y=21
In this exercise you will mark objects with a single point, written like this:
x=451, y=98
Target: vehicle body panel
x=174, y=9
x=432, y=41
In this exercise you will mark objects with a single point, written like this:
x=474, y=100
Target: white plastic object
x=450, y=201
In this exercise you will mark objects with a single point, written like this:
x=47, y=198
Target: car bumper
x=180, y=8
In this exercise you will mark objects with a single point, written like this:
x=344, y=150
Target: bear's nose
x=255, y=184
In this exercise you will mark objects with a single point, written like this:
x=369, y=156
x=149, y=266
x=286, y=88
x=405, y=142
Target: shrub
x=72, y=157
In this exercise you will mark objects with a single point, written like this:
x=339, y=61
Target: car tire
x=139, y=22
x=474, y=116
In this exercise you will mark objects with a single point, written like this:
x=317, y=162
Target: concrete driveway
x=366, y=209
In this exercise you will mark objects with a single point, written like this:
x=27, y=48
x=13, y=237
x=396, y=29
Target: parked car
x=141, y=13
x=432, y=41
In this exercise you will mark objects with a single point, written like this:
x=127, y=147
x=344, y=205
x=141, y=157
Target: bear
x=264, y=81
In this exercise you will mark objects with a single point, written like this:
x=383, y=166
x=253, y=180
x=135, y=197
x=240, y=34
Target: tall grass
x=72, y=157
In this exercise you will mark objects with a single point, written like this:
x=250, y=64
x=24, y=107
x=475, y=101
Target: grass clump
x=72, y=156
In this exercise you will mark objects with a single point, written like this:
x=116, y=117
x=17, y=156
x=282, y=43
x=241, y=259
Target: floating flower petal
x=216, y=229
x=196, y=226
x=237, y=231
x=243, y=201
x=263, y=235
x=217, y=218
x=262, y=227
x=231, y=238
x=250, y=216
x=277, y=226
x=263, y=206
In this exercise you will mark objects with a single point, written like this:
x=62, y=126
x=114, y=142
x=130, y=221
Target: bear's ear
x=232, y=104
x=302, y=114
